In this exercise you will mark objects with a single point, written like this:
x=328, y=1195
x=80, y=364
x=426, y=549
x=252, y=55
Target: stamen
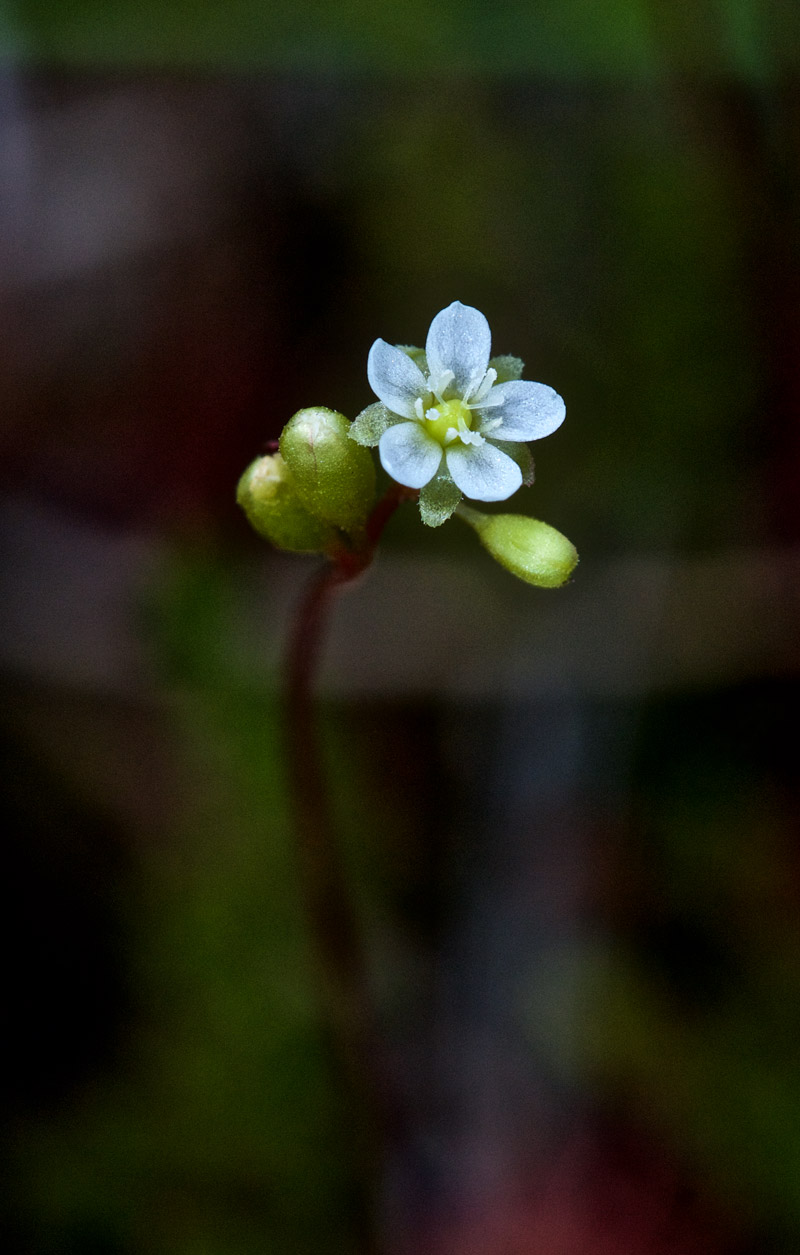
x=439, y=384
x=485, y=386
x=488, y=404
x=471, y=387
x=418, y=410
x=466, y=435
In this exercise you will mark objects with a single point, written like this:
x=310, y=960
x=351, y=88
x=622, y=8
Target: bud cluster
x=314, y=495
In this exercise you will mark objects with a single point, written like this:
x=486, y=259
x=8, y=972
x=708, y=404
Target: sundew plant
x=451, y=425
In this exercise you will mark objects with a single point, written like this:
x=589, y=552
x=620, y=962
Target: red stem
x=332, y=919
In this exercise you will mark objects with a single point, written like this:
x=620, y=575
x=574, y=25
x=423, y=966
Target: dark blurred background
x=570, y=819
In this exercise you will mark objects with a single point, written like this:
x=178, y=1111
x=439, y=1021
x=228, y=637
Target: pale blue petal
x=459, y=340
x=527, y=411
x=521, y=454
x=409, y=454
x=482, y=472
x=394, y=378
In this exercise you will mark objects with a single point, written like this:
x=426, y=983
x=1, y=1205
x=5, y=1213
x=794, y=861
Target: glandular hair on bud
x=267, y=494
x=528, y=548
x=334, y=477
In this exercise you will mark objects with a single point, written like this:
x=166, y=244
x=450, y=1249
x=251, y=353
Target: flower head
x=449, y=419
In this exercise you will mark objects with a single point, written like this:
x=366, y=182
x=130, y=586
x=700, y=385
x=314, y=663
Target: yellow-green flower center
x=448, y=416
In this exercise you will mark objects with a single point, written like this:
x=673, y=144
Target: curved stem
x=332, y=918
x=327, y=901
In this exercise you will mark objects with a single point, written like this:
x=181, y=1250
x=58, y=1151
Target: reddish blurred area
x=164, y=277
x=607, y=1193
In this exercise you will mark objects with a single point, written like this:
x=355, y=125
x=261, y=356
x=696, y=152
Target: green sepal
x=521, y=455
x=267, y=494
x=418, y=356
x=334, y=477
x=368, y=427
x=528, y=548
x=438, y=499
x=507, y=368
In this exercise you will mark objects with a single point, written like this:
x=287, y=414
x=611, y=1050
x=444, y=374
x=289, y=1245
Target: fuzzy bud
x=267, y=494
x=528, y=548
x=334, y=477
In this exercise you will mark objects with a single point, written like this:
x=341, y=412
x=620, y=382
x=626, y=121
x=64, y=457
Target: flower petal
x=483, y=473
x=395, y=378
x=528, y=411
x=459, y=340
x=521, y=455
x=417, y=356
x=409, y=454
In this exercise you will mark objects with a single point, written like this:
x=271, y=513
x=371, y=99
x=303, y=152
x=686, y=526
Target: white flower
x=445, y=415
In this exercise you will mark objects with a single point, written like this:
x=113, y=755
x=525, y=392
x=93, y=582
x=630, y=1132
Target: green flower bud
x=528, y=548
x=334, y=477
x=267, y=494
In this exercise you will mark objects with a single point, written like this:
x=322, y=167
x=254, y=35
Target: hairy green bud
x=267, y=494
x=334, y=477
x=528, y=548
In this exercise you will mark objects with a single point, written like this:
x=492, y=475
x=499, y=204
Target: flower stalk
x=340, y=954
x=333, y=923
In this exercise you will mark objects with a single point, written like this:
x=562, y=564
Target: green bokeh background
x=615, y=186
